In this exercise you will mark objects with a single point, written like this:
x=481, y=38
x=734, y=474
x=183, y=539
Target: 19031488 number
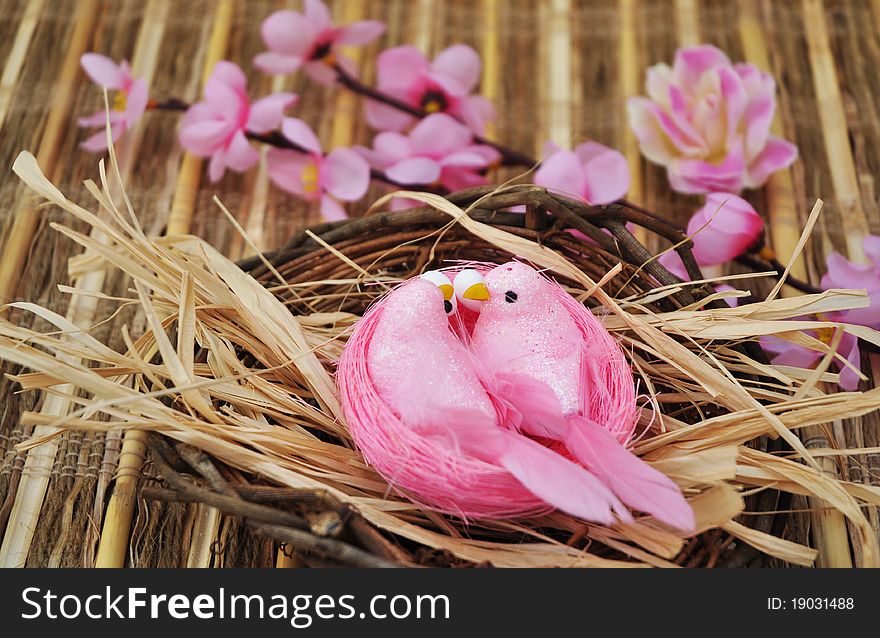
x=817, y=603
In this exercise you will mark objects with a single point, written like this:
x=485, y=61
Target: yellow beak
x=447, y=291
x=477, y=292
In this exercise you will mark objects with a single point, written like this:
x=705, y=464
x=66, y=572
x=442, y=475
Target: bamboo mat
x=558, y=69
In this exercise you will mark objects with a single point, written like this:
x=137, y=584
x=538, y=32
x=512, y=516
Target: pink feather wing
x=637, y=484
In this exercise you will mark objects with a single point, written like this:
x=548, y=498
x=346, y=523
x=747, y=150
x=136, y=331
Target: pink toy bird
x=426, y=378
x=544, y=357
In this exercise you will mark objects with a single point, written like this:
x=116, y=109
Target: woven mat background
x=557, y=69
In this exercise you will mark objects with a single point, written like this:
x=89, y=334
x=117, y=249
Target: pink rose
x=708, y=122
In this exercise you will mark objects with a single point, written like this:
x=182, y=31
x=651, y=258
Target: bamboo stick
x=829, y=525
x=18, y=241
x=18, y=53
x=630, y=71
x=785, y=223
x=687, y=23
x=491, y=64
x=205, y=529
x=834, y=129
x=38, y=465
x=422, y=38
x=189, y=177
x=117, y=525
x=556, y=69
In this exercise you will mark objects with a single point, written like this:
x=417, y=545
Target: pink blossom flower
x=438, y=150
x=444, y=85
x=593, y=171
x=216, y=127
x=129, y=102
x=843, y=273
x=785, y=353
x=309, y=40
x=722, y=229
x=708, y=122
x=340, y=175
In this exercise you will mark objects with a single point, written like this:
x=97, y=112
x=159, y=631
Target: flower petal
x=346, y=174
x=382, y=117
x=871, y=246
x=698, y=176
x=475, y=111
x=673, y=263
x=288, y=33
x=217, y=166
x=562, y=172
x=606, y=172
x=102, y=70
x=439, y=134
x=400, y=67
x=318, y=14
x=331, y=210
x=394, y=145
x=691, y=62
x=456, y=178
x=136, y=102
x=321, y=72
x=657, y=82
x=464, y=159
x=361, y=32
x=267, y=113
x=777, y=154
x=414, y=170
x=723, y=228
x=203, y=138
x=98, y=142
x=653, y=141
x=298, y=132
x=229, y=74
x=869, y=316
x=286, y=170
x=461, y=63
x=793, y=355
x=849, y=347
x=842, y=273
x=276, y=63
x=240, y=155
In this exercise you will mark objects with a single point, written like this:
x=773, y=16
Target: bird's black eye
x=447, y=306
x=509, y=296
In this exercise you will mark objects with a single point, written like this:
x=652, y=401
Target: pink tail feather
x=637, y=484
x=558, y=481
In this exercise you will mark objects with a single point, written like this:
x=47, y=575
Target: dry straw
x=275, y=412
